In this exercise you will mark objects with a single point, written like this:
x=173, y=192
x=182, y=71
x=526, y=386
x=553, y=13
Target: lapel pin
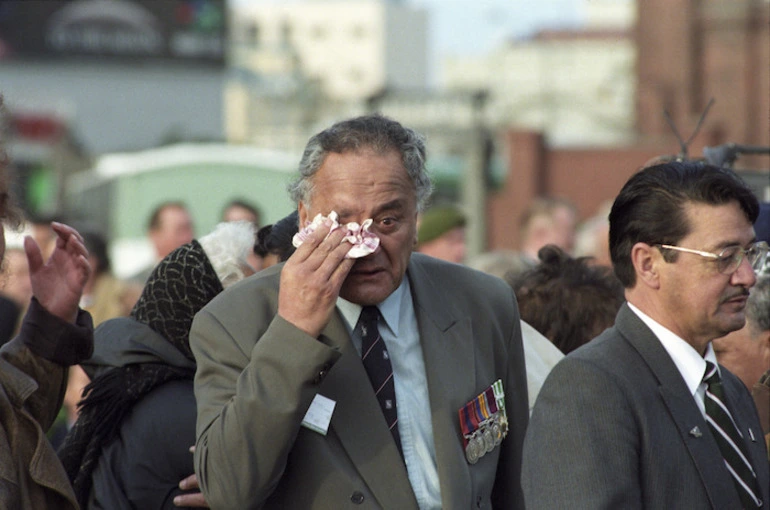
x=695, y=432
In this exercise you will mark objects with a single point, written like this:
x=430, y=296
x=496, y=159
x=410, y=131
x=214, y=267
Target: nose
x=744, y=276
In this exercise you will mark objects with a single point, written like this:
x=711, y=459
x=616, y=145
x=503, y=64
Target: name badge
x=319, y=414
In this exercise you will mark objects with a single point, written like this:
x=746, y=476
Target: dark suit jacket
x=257, y=375
x=613, y=427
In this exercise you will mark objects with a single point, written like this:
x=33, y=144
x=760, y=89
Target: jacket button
x=357, y=498
x=321, y=374
x=479, y=500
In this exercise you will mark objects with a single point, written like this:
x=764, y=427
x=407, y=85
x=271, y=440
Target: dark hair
x=650, y=207
x=568, y=300
x=242, y=204
x=276, y=239
x=374, y=132
x=154, y=222
x=96, y=245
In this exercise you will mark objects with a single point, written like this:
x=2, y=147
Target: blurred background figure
x=15, y=290
x=593, y=237
x=169, y=227
x=240, y=209
x=105, y=296
x=568, y=300
x=548, y=220
x=540, y=354
x=274, y=241
x=441, y=233
x=505, y=264
x=130, y=447
x=746, y=352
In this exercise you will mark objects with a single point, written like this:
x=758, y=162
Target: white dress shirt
x=688, y=361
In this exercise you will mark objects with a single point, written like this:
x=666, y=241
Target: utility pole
x=474, y=182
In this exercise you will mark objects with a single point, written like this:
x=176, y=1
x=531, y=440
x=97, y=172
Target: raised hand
x=311, y=279
x=58, y=282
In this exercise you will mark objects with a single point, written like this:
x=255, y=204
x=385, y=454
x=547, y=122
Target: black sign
x=190, y=30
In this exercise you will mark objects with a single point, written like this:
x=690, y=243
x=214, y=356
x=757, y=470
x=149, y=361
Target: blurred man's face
x=745, y=353
x=176, y=229
x=238, y=213
x=362, y=185
x=449, y=246
x=564, y=229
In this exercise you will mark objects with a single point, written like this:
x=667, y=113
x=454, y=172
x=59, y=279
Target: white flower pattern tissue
x=364, y=242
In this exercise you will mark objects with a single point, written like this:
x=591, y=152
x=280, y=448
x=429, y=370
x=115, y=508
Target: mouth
x=365, y=271
x=737, y=299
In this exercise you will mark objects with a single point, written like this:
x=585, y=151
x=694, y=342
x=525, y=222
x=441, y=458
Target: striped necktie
x=374, y=355
x=730, y=439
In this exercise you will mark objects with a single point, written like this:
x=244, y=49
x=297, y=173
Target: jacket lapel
x=358, y=423
x=703, y=450
x=450, y=369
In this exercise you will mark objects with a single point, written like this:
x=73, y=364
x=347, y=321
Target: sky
x=474, y=27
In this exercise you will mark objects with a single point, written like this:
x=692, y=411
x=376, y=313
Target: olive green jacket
x=33, y=378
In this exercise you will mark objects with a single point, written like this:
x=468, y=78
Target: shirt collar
x=688, y=361
x=390, y=308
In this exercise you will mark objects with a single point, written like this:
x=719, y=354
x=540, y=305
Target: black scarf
x=179, y=286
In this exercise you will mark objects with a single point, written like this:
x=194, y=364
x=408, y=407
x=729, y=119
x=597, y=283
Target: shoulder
x=261, y=287
x=458, y=280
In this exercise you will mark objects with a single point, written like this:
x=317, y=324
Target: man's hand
x=195, y=499
x=311, y=279
x=58, y=283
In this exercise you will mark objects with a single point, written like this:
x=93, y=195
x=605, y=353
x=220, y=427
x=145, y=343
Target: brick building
x=688, y=51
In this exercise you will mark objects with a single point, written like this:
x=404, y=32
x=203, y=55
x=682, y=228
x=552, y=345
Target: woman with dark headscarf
x=130, y=447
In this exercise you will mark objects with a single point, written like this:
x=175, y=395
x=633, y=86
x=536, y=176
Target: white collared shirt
x=402, y=339
x=688, y=361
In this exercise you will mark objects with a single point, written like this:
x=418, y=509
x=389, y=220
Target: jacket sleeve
x=252, y=396
x=45, y=347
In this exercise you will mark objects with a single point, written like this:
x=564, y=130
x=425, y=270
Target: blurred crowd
x=122, y=410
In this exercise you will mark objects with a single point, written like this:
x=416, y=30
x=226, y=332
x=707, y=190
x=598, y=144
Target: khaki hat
x=437, y=221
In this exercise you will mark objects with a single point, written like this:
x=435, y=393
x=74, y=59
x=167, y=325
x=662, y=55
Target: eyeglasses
x=729, y=260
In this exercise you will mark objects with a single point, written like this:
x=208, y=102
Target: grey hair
x=758, y=306
x=227, y=247
x=374, y=132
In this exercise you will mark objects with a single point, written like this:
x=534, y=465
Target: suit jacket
x=257, y=375
x=615, y=426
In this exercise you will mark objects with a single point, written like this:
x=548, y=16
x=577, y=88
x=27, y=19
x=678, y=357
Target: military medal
x=482, y=424
x=497, y=388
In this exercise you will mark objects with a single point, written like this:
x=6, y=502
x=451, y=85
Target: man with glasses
x=642, y=416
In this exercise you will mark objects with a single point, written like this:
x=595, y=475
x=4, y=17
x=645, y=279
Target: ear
x=647, y=260
x=303, y=214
